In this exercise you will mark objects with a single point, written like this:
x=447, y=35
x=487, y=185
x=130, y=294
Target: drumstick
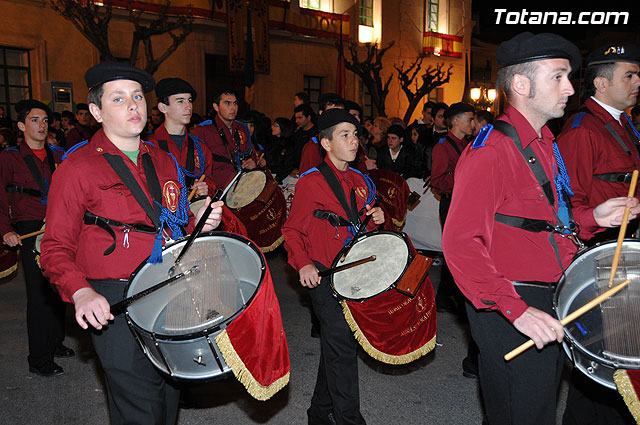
x=358, y=233
x=29, y=235
x=120, y=306
x=623, y=228
x=260, y=158
x=193, y=191
x=343, y=267
x=570, y=318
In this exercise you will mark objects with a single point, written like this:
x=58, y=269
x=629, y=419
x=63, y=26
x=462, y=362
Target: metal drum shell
x=179, y=349
x=392, y=285
x=580, y=275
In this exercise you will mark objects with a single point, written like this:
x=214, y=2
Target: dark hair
x=486, y=116
x=351, y=105
x=82, y=107
x=429, y=104
x=303, y=96
x=56, y=116
x=327, y=99
x=396, y=129
x=437, y=108
x=286, y=129
x=506, y=74
x=305, y=109
x=22, y=115
x=95, y=96
x=7, y=134
x=327, y=133
x=69, y=115
x=219, y=94
x=421, y=129
x=164, y=99
x=635, y=110
x=605, y=70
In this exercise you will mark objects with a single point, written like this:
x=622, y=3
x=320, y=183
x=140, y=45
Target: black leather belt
x=108, y=224
x=12, y=188
x=615, y=177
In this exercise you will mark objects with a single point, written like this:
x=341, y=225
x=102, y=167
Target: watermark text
x=525, y=17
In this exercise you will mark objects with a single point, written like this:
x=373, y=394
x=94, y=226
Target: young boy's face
x=343, y=145
x=179, y=109
x=124, y=108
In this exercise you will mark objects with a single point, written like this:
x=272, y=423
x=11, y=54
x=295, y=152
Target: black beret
x=528, y=47
x=458, y=108
x=397, y=130
x=111, y=71
x=335, y=116
x=29, y=104
x=82, y=107
x=171, y=86
x=614, y=52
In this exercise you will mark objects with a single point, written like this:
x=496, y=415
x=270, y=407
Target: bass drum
x=607, y=337
x=176, y=326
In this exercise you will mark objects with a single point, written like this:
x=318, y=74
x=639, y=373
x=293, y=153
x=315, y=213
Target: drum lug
x=215, y=353
x=199, y=361
x=592, y=368
x=135, y=334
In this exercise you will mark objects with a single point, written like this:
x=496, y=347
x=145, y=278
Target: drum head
x=248, y=187
x=231, y=270
x=195, y=205
x=608, y=336
x=370, y=279
x=38, y=241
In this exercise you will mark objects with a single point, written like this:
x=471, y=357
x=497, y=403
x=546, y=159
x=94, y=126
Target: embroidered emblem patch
x=391, y=192
x=171, y=193
x=361, y=192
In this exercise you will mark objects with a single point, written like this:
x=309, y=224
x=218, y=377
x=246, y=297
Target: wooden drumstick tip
x=193, y=191
x=571, y=317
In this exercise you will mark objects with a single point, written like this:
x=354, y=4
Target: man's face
x=622, y=91
x=52, y=139
x=355, y=113
x=552, y=89
x=64, y=121
x=368, y=124
x=124, y=109
x=394, y=142
x=178, y=110
x=438, y=121
x=426, y=117
x=302, y=120
x=297, y=101
x=478, y=124
x=227, y=108
x=156, y=117
x=83, y=117
x=464, y=123
x=35, y=126
x=343, y=145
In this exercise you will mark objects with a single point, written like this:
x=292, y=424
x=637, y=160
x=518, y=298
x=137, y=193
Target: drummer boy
x=103, y=220
x=312, y=244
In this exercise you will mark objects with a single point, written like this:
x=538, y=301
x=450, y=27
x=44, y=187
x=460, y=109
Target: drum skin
x=584, y=341
x=264, y=217
x=393, y=256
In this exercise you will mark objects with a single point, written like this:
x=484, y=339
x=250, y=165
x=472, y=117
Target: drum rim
x=569, y=341
x=245, y=172
x=334, y=263
x=213, y=329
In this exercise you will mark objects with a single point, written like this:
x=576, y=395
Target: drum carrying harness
x=633, y=134
x=193, y=145
x=235, y=158
x=353, y=223
x=562, y=188
x=37, y=175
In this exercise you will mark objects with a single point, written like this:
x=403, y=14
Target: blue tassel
x=156, y=254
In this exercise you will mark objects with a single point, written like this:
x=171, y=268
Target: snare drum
x=36, y=246
x=177, y=325
x=259, y=204
x=607, y=337
x=393, y=256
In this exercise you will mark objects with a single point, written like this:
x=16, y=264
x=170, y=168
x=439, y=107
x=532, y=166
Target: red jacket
x=444, y=160
x=14, y=171
x=73, y=251
x=311, y=155
x=161, y=134
x=308, y=238
x=483, y=255
x=223, y=170
x=589, y=149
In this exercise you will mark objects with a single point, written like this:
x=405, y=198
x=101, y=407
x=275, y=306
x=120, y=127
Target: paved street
x=431, y=390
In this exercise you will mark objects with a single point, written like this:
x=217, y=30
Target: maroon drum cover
x=8, y=261
x=259, y=204
x=393, y=192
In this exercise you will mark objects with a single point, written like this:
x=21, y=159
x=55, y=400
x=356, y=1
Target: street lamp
x=483, y=97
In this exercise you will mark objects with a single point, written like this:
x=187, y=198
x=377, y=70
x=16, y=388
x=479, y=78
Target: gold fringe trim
x=243, y=374
x=379, y=355
x=273, y=246
x=399, y=223
x=625, y=388
x=9, y=271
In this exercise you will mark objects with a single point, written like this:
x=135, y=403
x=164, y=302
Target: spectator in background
x=6, y=138
x=55, y=122
x=397, y=156
x=5, y=120
x=306, y=129
x=378, y=136
x=82, y=130
x=300, y=98
x=482, y=118
x=398, y=121
x=67, y=121
x=276, y=150
x=55, y=137
x=417, y=133
x=157, y=118
x=439, y=129
x=635, y=117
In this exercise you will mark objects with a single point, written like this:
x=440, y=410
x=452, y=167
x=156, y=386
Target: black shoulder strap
x=117, y=163
x=335, y=186
x=191, y=162
x=530, y=157
x=453, y=144
x=35, y=170
x=225, y=142
x=163, y=145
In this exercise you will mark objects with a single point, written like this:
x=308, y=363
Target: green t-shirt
x=133, y=155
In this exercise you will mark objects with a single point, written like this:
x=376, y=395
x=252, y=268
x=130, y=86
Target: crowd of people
x=497, y=273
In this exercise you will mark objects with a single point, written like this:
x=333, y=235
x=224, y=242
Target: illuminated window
x=15, y=77
x=313, y=87
x=311, y=4
x=432, y=15
x=366, y=12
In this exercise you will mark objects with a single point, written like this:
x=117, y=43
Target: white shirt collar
x=395, y=156
x=615, y=113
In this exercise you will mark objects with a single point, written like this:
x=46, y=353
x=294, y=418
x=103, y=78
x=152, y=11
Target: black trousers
x=337, y=386
x=137, y=392
x=45, y=309
x=523, y=391
x=447, y=287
